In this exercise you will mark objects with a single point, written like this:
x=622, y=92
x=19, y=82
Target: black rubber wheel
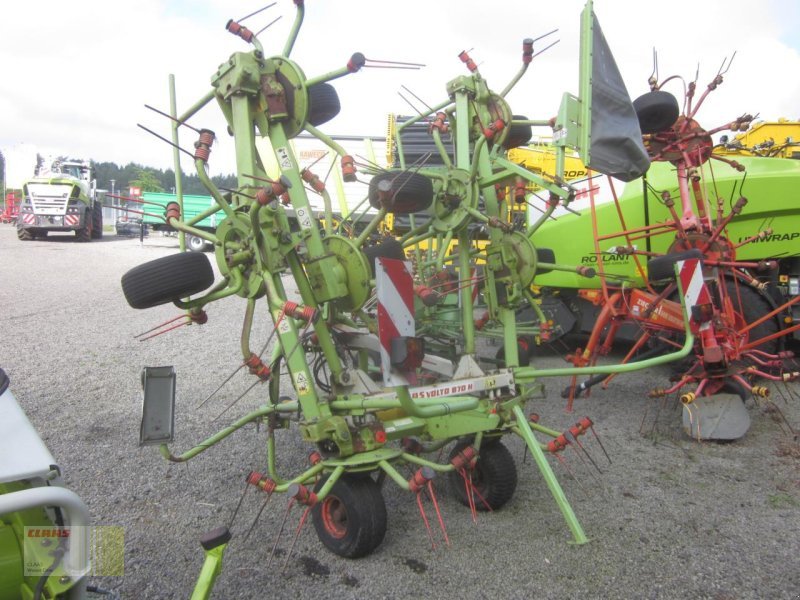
x=663, y=267
x=351, y=520
x=409, y=192
x=167, y=279
x=323, y=103
x=388, y=247
x=544, y=255
x=518, y=134
x=494, y=476
x=25, y=235
x=752, y=307
x=195, y=244
x=657, y=111
x=524, y=351
x=40, y=233
x=97, y=221
x=84, y=234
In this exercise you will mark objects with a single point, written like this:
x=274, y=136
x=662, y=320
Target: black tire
x=167, y=279
x=351, y=520
x=657, y=111
x=25, y=235
x=518, y=134
x=40, y=233
x=410, y=192
x=84, y=234
x=752, y=307
x=323, y=103
x=663, y=267
x=524, y=351
x=388, y=247
x=97, y=221
x=494, y=476
x=195, y=244
x=544, y=255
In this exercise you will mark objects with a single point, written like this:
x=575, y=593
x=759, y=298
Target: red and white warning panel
x=394, y=284
x=695, y=293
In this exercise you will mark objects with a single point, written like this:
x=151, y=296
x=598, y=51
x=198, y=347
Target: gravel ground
x=670, y=518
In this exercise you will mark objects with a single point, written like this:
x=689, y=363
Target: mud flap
x=717, y=417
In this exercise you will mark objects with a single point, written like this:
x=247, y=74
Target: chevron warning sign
x=394, y=285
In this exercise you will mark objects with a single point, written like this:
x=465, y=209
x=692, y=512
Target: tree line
x=150, y=179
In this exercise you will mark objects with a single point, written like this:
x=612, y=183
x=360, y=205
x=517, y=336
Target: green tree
x=147, y=180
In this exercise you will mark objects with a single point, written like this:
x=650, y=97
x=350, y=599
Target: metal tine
x=267, y=26
x=163, y=139
x=467, y=477
x=257, y=178
x=563, y=462
x=242, y=395
x=160, y=325
x=425, y=520
x=572, y=439
x=238, y=505
x=163, y=331
x=544, y=35
x=480, y=497
x=227, y=379
x=224, y=189
x=726, y=68
x=252, y=14
x=545, y=49
x=258, y=516
x=302, y=522
x=602, y=447
x=432, y=495
x=397, y=63
x=428, y=106
x=785, y=420
x=583, y=460
x=280, y=531
x=319, y=158
x=411, y=105
x=171, y=118
x=239, y=368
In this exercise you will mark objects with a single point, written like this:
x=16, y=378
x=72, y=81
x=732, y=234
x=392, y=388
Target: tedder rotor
x=738, y=324
x=381, y=354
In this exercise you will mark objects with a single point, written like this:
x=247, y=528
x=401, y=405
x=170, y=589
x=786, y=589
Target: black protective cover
x=616, y=146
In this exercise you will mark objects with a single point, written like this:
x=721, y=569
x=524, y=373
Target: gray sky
x=77, y=74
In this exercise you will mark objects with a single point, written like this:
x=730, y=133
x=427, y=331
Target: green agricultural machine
x=61, y=197
x=379, y=367
x=771, y=214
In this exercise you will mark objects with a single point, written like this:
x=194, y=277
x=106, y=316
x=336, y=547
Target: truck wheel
x=97, y=221
x=24, y=234
x=195, y=244
x=351, y=520
x=494, y=477
x=167, y=279
x=84, y=234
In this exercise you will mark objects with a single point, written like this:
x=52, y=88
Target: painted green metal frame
x=255, y=248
